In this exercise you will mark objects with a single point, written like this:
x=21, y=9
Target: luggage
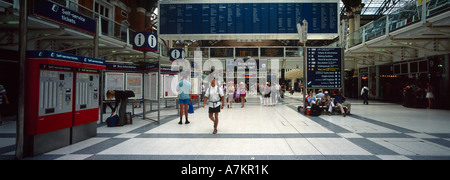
x=129, y=118
x=112, y=121
x=315, y=110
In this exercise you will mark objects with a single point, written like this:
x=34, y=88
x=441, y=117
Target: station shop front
x=386, y=82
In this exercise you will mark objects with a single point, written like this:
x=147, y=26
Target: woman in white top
x=230, y=95
x=215, y=96
x=242, y=91
x=430, y=95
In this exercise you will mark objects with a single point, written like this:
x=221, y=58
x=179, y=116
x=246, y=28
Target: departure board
x=324, y=68
x=246, y=18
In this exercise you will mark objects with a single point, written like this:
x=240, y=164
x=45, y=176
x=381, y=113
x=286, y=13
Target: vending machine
x=87, y=99
x=48, y=100
x=62, y=96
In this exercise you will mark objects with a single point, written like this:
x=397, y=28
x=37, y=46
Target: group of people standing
x=418, y=95
x=214, y=96
x=271, y=94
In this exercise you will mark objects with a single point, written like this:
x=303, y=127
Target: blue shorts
x=184, y=101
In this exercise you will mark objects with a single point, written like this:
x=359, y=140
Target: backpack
x=366, y=91
x=315, y=110
x=217, y=91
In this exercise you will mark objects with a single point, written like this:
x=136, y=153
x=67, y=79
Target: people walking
x=215, y=95
x=242, y=92
x=230, y=95
x=430, y=95
x=365, y=95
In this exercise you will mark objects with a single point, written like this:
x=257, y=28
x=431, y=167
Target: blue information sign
x=64, y=15
x=63, y=56
x=324, y=67
x=247, y=18
x=145, y=41
x=176, y=54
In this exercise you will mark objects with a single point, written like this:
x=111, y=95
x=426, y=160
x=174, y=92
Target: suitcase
x=112, y=121
x=129, y=118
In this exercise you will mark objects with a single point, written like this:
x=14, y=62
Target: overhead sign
x=63, y=56
x=176, y=54
x=145, y=41
x=64, y=15
x=324, y=67
x=241, y=17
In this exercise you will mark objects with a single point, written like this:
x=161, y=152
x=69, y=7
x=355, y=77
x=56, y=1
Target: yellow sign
x=420, y=2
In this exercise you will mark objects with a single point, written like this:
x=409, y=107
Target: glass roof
x=380, y=7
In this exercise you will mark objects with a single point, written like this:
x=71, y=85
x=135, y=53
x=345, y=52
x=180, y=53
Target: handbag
x=111, y=121
x=191, y=108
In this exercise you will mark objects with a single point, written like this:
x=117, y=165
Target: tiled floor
x=378, y=131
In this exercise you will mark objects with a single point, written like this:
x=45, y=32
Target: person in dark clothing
x=3, y=101
x=122, y=98
x=340, y=102
x=365, y=94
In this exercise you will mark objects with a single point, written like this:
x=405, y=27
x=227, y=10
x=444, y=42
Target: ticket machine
x=48, y=100
x=87, y=98
x=61, y=100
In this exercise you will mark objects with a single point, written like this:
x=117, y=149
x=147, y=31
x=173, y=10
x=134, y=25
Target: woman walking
x=230, y=95
x=242, y=90
x=430, y=95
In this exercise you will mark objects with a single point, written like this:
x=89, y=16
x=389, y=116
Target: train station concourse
x=224, y=80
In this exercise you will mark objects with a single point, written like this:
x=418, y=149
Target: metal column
x=22, y=50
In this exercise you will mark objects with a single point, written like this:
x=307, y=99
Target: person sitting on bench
x=340, y=102
x=311, y=99
x=326, y=101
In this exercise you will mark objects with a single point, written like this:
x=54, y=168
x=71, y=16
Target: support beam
x=75, y=47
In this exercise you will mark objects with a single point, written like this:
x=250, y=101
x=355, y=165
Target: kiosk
x=53, y=93
x=87, y=98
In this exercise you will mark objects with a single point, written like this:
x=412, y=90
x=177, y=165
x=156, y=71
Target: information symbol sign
x=139, y=40
x=152, y=41
x=176, y=54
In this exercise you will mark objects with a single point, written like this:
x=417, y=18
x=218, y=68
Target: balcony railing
x=409, y=14
x=107, y=26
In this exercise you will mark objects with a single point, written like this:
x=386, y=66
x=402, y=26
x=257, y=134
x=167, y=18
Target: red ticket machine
x=87, y=99
x=61, y=100
x=48, y=100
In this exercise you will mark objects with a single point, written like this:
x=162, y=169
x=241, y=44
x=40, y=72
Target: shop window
x=423, y=66
x=404, y=68
x=413, y=67
x=397, y=69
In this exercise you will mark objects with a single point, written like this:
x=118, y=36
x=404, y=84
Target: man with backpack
x=215, y=95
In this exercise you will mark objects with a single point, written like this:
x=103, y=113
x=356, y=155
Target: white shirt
x=362, y=90
x=212, y=95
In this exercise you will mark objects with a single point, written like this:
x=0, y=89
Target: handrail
x=409, y=14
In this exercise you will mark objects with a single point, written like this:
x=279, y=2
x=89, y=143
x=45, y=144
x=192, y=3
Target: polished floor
x=379, y=131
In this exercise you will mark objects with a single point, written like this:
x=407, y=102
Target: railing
x=107, y=26
x=409, y=14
